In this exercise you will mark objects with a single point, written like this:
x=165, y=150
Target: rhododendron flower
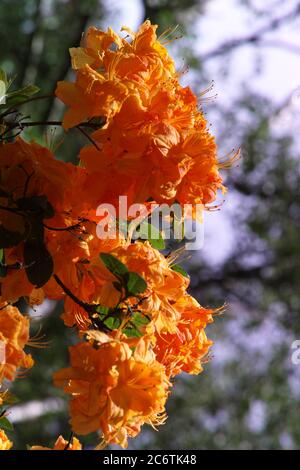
x=164, y=285
x=61, y=444
x=14, y=333
x=184, y=350
x=105, y=76
x=137, y=326
x=5, y=443
x=155, y=140
x=37, y=202
x=113, y=389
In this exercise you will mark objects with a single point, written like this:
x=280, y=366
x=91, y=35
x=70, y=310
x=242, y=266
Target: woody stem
x=89, y=308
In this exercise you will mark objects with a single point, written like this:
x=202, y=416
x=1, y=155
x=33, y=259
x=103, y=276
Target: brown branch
x=22, y=125
x=62, y=229
x=91, y=309
x=88, y=136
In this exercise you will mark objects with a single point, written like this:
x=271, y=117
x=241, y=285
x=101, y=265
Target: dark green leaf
x=135, y=284
x=27, y=91
x=3, y=76
x=3, y=268
x=37, y=204
x=38, y=262
x=5, y=424
x=8, y=239
x=132, y=333
x=140, y=320
x=136, y=326
x=102, y=310
x=152, y=234
x=116, y=267
x=113, y=322
x=179, y=270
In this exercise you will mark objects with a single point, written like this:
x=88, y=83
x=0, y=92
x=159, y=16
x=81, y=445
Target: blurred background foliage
x=249, y=393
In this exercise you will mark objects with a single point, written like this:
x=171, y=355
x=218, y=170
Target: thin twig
x=88, y=136
x=29, y=100
x=89, y=308
x=62, y=229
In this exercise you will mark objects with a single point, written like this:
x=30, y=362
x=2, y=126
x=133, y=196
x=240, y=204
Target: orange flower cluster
x=114, y=389
x=153, y=126
x=104, y=383
x=5, y=443
x=138, y=327
x=14, y=335
x=61, y=444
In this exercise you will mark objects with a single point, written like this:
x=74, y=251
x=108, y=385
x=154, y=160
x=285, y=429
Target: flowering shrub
x=137, y=326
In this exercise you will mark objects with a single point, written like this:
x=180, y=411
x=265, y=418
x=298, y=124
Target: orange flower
x=35, y=194
x=94, y=284
x=14, y=333
x=155, y=140
x=101, y=93
x=183, y=350
x=164, y=286
x=157, y=147
x=84, y=274
x=5, y=443
x=113, y=389
x=40, y=203
x=61, y=444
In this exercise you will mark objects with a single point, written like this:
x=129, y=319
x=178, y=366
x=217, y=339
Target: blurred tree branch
x=278, y=44
x=64, y=68
x=253, y=38
x=26, y=58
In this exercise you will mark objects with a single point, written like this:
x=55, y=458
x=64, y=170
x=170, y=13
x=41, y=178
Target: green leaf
x=116, y=267
x=3, y=76
x=38, y=262
x=180, y=270
x=132, y=333
x=2, y=92
x=6, y=424
x=26, y=91
x=140, y=320
x=136, y=330
x=102, y=310
x=13, y=100
x=3, y=268
x=18, y=96
x=37, y=204
x=152, y=234
x=135, y=284
x=113, y=322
